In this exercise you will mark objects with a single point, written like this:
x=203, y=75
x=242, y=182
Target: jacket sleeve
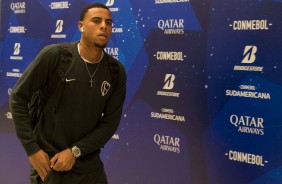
x=33, y=79
x=109, y=123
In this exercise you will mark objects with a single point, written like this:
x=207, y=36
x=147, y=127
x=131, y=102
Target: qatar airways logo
x=58, y=30
x=249, y=57
x=250, y=25
x=167, y=143
x=113, y=51
x=248, y=124
x=171, y=26
x=18, y=7
x=17, y=50
x=60, y=5
x=109, y=4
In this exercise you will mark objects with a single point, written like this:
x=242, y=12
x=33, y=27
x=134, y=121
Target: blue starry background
x=225, y=49
x=212, y=48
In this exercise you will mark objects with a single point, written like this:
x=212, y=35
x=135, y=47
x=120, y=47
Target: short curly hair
x=95, y=5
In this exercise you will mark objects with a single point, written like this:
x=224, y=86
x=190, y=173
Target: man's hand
x=63, y=161
x=40, y=162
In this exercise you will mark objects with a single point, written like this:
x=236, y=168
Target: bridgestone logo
x=249, y=68
x=164, y=93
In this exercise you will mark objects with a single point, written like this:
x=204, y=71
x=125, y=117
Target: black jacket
x=87, y=117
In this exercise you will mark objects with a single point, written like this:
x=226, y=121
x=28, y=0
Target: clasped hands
x=62, y=161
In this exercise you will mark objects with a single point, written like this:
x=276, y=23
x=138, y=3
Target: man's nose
x=103, y=25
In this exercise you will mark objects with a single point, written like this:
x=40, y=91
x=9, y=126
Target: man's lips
x=102, y=36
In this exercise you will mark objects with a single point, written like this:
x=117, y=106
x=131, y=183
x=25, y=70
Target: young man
x=65, y=145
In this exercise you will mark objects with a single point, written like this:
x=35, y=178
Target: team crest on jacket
x=105, y=88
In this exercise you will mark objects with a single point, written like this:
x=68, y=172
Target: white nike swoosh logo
x=68, y=80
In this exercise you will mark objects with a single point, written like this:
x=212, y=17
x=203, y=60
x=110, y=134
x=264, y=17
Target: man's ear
x=80, y=26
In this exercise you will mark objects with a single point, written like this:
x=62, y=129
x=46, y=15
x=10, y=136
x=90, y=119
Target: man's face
x=97, y=27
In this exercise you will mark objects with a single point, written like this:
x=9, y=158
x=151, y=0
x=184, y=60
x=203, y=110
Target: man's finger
x=54, y=160
x=41, y=174
x=57, y=165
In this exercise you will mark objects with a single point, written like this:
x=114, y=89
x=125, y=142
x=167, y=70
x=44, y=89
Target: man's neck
x=90, y=53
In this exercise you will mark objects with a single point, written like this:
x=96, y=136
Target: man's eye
x=109, y=23
x=97, y=21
